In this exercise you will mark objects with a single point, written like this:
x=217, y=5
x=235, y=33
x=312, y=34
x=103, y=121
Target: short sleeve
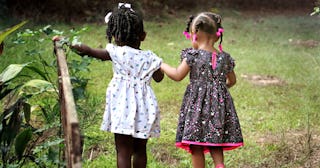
x=230, y=63
x=111, y=50
x=189, y=54
x=156, y=61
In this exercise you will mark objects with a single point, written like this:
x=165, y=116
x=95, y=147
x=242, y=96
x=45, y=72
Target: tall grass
x=279, y=122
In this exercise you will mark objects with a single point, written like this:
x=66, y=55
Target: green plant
x=316, y=9
x=16, y=130
x=4, y=34
x=25, y=97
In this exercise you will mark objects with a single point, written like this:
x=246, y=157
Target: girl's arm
x=158, y=75
x=83, y=49
x=231, y=79
x=176, y=74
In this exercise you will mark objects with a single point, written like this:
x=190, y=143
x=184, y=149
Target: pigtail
x=191, y=17
x=186, y=31
x=219, y=30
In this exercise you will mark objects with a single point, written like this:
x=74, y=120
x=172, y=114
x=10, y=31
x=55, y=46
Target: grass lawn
x=276, y=96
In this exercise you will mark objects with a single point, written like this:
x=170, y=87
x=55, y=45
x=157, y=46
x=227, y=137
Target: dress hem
x=226, y=146
x=136, y=135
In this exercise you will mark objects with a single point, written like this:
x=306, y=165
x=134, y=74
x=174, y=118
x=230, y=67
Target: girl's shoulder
x=190, y=54
x=120, y=52
x=190, y=50
x=187, y=52
x=127, y=49
x=225, y=55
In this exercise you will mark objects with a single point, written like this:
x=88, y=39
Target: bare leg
x=124, y=148
x=217, y=156
x=139, y=153
x=197, y=156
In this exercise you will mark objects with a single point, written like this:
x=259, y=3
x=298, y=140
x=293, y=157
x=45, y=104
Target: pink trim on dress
x=214, y=60
x=226, y=146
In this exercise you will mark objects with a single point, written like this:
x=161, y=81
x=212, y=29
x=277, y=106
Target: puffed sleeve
x=189, y=54
x=111, y=48
x=230, y=63
x=156, y=61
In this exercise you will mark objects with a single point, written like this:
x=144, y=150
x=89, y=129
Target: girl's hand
x=80, y=49
x=56, y=38
x=231, y=79
x=76, y=47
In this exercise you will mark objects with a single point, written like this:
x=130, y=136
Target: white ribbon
x=125, y=5
x=107, y=17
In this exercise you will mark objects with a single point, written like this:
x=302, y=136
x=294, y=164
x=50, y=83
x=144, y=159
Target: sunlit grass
x=261, y=45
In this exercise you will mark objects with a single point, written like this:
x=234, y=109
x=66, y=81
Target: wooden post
x=70, y=123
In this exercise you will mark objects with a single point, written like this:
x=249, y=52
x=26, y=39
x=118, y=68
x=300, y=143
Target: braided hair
x=125, y=26
x=206, y=21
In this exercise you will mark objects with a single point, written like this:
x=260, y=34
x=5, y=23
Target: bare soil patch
x=305, y=43
x=263, y=80
x=297, y=149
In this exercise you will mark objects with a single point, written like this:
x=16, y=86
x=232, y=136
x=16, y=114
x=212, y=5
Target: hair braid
x=125, y=26
x=191, y=17
x=217, y=18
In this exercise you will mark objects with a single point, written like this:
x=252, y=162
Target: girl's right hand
x=76, y=47
x=80, y=49
x=56, y=38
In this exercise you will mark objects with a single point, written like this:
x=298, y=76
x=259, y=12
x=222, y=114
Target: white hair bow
x=127, y=5
x=107, y=17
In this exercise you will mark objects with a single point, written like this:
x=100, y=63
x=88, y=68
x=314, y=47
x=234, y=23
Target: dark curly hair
x=125, y=26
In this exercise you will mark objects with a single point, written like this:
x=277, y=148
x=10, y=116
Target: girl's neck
x=206, y=42
x=207, y=47
x=133, y=45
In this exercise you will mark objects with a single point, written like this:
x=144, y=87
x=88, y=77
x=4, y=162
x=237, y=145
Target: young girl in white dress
x=131, y=111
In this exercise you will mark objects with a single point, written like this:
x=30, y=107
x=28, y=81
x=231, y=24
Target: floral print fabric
x=131, y=105
x=207, y=115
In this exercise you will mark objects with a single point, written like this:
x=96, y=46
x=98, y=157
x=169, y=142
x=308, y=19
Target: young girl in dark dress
x=208, y=121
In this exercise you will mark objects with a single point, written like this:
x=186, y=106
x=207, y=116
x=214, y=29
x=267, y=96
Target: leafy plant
x=26, y=97
x=15, y=127
x=4, y=34
x=316, y=10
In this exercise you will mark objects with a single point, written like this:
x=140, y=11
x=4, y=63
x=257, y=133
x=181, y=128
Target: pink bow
x=219, y=32
x=187, y=34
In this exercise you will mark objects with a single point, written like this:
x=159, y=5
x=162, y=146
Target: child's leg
x=124, y=148
x=217, y=156
x=197, y=156
x=139, y=153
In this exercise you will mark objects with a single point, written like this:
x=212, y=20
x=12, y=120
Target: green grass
x=274, y=118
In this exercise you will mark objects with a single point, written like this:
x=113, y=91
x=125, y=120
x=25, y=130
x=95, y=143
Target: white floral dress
x=131, y=105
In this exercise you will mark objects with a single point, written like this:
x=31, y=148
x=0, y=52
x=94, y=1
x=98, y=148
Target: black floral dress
x=207, y=115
